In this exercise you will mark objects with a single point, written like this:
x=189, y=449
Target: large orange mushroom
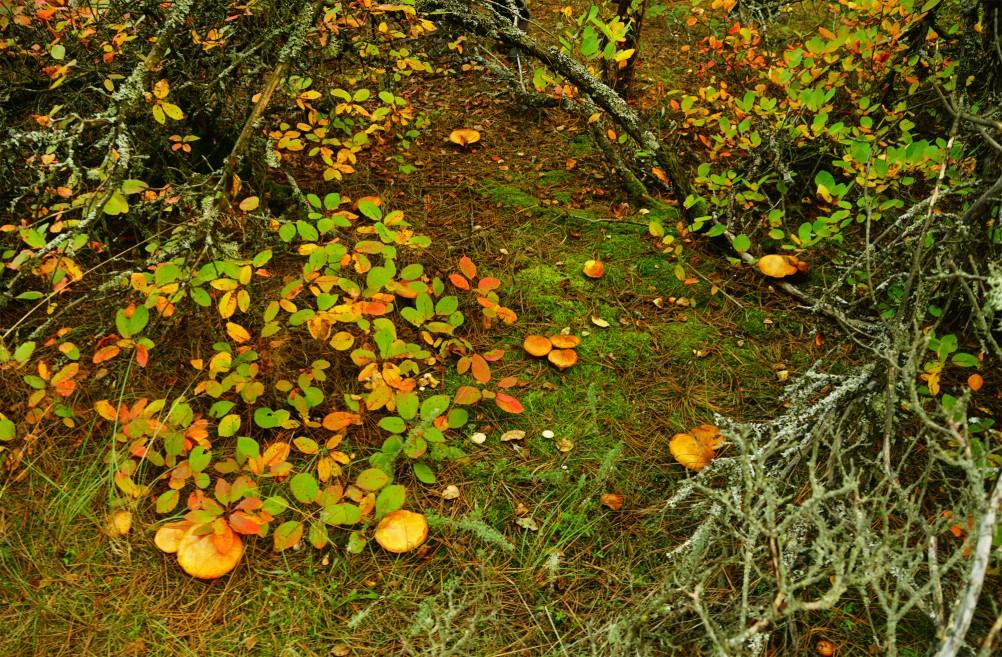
x=205, y=556
x=781, y=266
x=464, y=137
x=537, y=345
x=401, y=531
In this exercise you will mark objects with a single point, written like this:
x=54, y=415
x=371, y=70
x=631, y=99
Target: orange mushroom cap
x=464, y=136
x=169, y=536
x=401, y=531
x=537, y=345
x=779, y=266
x=561, y=341
x=200, y=557
x=594, y=269
x=563, y=358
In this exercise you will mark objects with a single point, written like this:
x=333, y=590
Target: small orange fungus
x=562, y=358
x=464, y=137
x=561, y=341
x=537, y=345
x=594, y=269
x=781, y=266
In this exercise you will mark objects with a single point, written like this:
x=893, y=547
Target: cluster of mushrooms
x=558, y=349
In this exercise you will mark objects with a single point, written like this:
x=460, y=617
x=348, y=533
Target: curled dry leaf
x=612, y=500
x=562, y=358
x=401, y=531
x=514, y=434
x=548, y=434
x=479, y=437
x=119, y=523
x=464, y=137
x=527, y=523
x=537, y=345
x=594, y=269
x=598, y=321
x=521, y=510
x=451, y=492
x=564, y=445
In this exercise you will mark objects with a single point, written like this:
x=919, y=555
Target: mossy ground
x=657, y=369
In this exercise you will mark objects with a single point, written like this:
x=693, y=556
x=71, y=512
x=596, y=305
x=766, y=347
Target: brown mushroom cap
x=169, y=536
x=199, y=557
x=537, y=345
x=464, y=136
x=778, y=266
x=563, y=358
x=594, y=269
x=401, y=531
x=561, y=341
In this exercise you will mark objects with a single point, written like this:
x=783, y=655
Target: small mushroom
x=562, y=358
x=537, y=345
x=561, y=341
x=200, y=556
x=464, y=137
x=594, y=269
x=169, y=536
x=401, y=531
x=781, y=266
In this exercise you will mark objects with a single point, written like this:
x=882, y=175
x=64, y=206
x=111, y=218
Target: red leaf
x=508, y=403
x=507, y=382
x=459, y=281
x=467, y=267
x=142, y=355
x=493, y=355
x=244, y=524
x=106, y=353
x=467, y=395
x=481, y=370
x=487, y=284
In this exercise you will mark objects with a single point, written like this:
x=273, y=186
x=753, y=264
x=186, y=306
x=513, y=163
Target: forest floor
x=529, y=203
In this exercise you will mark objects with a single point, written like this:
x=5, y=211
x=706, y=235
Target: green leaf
x=58, y=51
x=229, y=426
x=356, y=543
x=370, y=209
x=248, y=447
x=304, y=487
x=167, y=501
x=372, y=479
x=424, y=473
x=965, y=360
x=742, y=243
x=407, y=405
x=341, y=514
x=7, y=429
x=434, y=406
x=458, y=417
x=140, y=318
x=288, y=534
x=716, y=230
x=199, y=458
x=393, y=424
x=390, y=499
